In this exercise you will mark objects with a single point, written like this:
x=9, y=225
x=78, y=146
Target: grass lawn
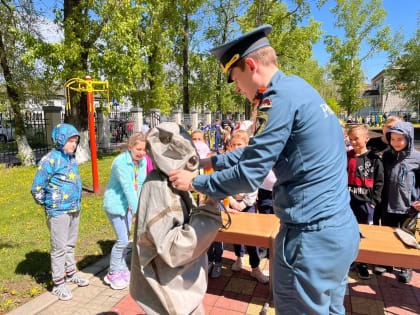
x=24, y=236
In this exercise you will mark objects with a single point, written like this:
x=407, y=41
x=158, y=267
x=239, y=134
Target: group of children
x=57, y=188
x=238, y=203
x=383, y=180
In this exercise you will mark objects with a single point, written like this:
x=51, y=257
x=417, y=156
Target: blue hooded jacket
x=402, y=170
x=57, y=185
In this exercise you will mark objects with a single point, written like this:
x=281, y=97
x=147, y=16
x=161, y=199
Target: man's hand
x=181, y=179
x=416, y=205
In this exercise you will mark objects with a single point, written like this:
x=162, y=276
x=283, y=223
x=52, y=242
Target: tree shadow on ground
x=37, y=265
x=7, y=245
x=106, y=246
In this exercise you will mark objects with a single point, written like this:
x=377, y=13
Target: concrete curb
x=46, y=299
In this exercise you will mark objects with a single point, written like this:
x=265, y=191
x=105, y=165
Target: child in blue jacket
x=128, y=173
x=58, y=189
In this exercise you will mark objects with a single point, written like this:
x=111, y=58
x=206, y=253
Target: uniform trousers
x=311, y=265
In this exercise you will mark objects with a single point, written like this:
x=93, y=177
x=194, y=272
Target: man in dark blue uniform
x=299, y=137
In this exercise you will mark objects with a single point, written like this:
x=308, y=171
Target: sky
x=401, y=13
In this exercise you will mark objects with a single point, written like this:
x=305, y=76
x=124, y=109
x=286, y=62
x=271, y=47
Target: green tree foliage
x=405, y=72
x=290, y=38
x=362, y=23
x=156, y=52
x=219, y=19
x=19, y=22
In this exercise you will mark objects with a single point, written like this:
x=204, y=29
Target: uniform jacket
x=402, y=170
x=300, y=138
x=366, y=177
x=57, y=184
x=120, y=193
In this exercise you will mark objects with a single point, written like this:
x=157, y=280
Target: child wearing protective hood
x=58, y=189
x=172, y=233
x=400, y=192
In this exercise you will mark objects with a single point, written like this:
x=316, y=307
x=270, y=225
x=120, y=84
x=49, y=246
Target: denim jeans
x=215, y=252
x=122, y=227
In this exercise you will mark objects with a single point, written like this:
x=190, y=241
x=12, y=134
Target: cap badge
x=234, y=59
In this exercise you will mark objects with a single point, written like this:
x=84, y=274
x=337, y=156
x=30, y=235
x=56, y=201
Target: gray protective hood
x=406, y=129
x=170, y=148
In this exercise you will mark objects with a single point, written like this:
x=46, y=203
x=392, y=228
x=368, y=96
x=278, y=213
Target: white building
x=383, y=100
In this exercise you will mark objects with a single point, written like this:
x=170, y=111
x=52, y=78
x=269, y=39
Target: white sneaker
x=76, y=278
x=237, y=265
x=62, y=291
x=259, y=275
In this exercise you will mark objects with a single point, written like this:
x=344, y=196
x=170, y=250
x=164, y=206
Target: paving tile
x=118, y=293
x=401, y=296
x=347, y=303
x=221, y=311
x=241, y=286
x=354, y=278
x=207, y=309
x=261, y=290
x=127, y=306
x=211, y=297
x=256, y=304
x=366, y=291
x=219, y=283
x=233, y=301
x=367, y=306
x=403, y=310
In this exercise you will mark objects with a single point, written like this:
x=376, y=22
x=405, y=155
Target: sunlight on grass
x=24, y=236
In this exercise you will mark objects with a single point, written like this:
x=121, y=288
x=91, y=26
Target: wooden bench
x=253, y=229
x=380, y=245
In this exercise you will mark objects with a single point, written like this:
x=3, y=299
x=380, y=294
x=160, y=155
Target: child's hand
x=232, y=211
x=416, y=205
x=235, y=205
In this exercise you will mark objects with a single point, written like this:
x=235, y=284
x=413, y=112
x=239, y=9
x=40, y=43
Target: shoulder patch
x=265, y=103
x=262, y=115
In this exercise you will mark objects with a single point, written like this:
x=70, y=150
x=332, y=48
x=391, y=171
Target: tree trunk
x=25, y=152
x=186, y=67
x=78, y=114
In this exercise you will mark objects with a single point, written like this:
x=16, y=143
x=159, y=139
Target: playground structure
x=89, y=87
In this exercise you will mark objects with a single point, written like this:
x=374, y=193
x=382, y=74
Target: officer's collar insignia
x=259, y=95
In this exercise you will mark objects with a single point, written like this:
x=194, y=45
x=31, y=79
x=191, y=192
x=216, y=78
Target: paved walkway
x=234, y=293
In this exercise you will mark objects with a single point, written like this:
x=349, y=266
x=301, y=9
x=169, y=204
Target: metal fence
x=35, y=132
x=121, y=126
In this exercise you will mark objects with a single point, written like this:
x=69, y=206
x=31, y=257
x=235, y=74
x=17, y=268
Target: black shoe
x=210, y=267
x=363, y=272
x=405, y=275
x=263, y=253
